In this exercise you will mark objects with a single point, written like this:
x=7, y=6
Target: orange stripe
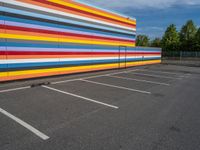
x=2, y=30
x=2, y=57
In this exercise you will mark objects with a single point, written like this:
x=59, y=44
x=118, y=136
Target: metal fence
x=181, y=54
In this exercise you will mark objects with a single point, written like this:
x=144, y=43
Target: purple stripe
x=2, y=48
x=51, y=49
x=2, y=22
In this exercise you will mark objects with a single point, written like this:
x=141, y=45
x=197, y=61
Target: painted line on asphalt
x=25, y=125
x=166, y=72
x=157, y=76
x=138, y=80
x=81, y=97
x=115, y=86
x=96, y=76
x=15, y=89
x=65, y=81
x=157, y=71
x=186, y=76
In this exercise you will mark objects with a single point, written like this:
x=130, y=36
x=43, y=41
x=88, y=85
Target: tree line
x=187, y=39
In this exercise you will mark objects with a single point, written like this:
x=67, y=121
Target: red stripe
x=84, y=12
x=61, y=33
x=72, y=53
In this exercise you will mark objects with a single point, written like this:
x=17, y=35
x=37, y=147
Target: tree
x=171, y=40
x=197, y=40
x=142, y=40
x=156, y=42
x=187, y=36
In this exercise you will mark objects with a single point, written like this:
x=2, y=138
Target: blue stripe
x=63, y=45
x=74, y=46
x=142, y=49
x=55, y=45
x=147, y=49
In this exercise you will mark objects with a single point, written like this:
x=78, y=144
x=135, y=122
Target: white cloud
x=141, y=3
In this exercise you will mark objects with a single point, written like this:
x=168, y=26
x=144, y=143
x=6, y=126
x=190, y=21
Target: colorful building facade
x=54, y=37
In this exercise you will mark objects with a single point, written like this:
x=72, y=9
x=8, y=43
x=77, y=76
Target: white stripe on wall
x=10, y=61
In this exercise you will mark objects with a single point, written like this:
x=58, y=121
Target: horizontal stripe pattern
x=14, y=75
x=52, y=37
x=56, y=33
x=61, y=13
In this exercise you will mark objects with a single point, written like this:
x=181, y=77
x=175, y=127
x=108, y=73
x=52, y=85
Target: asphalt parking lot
x=152, y=107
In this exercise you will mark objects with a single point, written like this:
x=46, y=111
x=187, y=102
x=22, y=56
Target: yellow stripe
x=37, y=71
x=63, y=40
x=3, y=74
x=92, y=11
x=142, y=62
x=89, y=67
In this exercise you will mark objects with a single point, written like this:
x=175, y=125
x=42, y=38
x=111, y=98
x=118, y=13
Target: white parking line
x=153, y=75
x=96, y=76
x=186, y=76
x=64, y=81
x=138, y=80
x=81, y=97
x=114, y=86
x=70, y=80
x=157, y=71
x=25, y=125
x=15, y=89
x=181, y=75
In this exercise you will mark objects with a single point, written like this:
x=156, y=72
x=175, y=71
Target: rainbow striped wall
x=53, y=37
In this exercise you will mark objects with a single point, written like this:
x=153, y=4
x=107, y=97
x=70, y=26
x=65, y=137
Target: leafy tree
x=187, y=36
x=142, y=40
x=171, y=40
x=156, y=42
x=197, y=40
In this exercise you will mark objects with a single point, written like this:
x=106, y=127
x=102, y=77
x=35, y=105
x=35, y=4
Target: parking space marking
x=69, y=80
x=96, y=76
x=25, y=125
x=81, y=97
x=114, y=86
x=138, y=80
x=15, y=89
x=154, y=75
x=158, y=71
x=64, y=81
x=186, y=76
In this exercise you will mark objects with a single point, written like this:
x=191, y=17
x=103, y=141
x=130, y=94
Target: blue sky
x=153, y=16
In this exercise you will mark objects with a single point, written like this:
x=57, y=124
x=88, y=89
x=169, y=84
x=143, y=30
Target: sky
x=153, y=16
